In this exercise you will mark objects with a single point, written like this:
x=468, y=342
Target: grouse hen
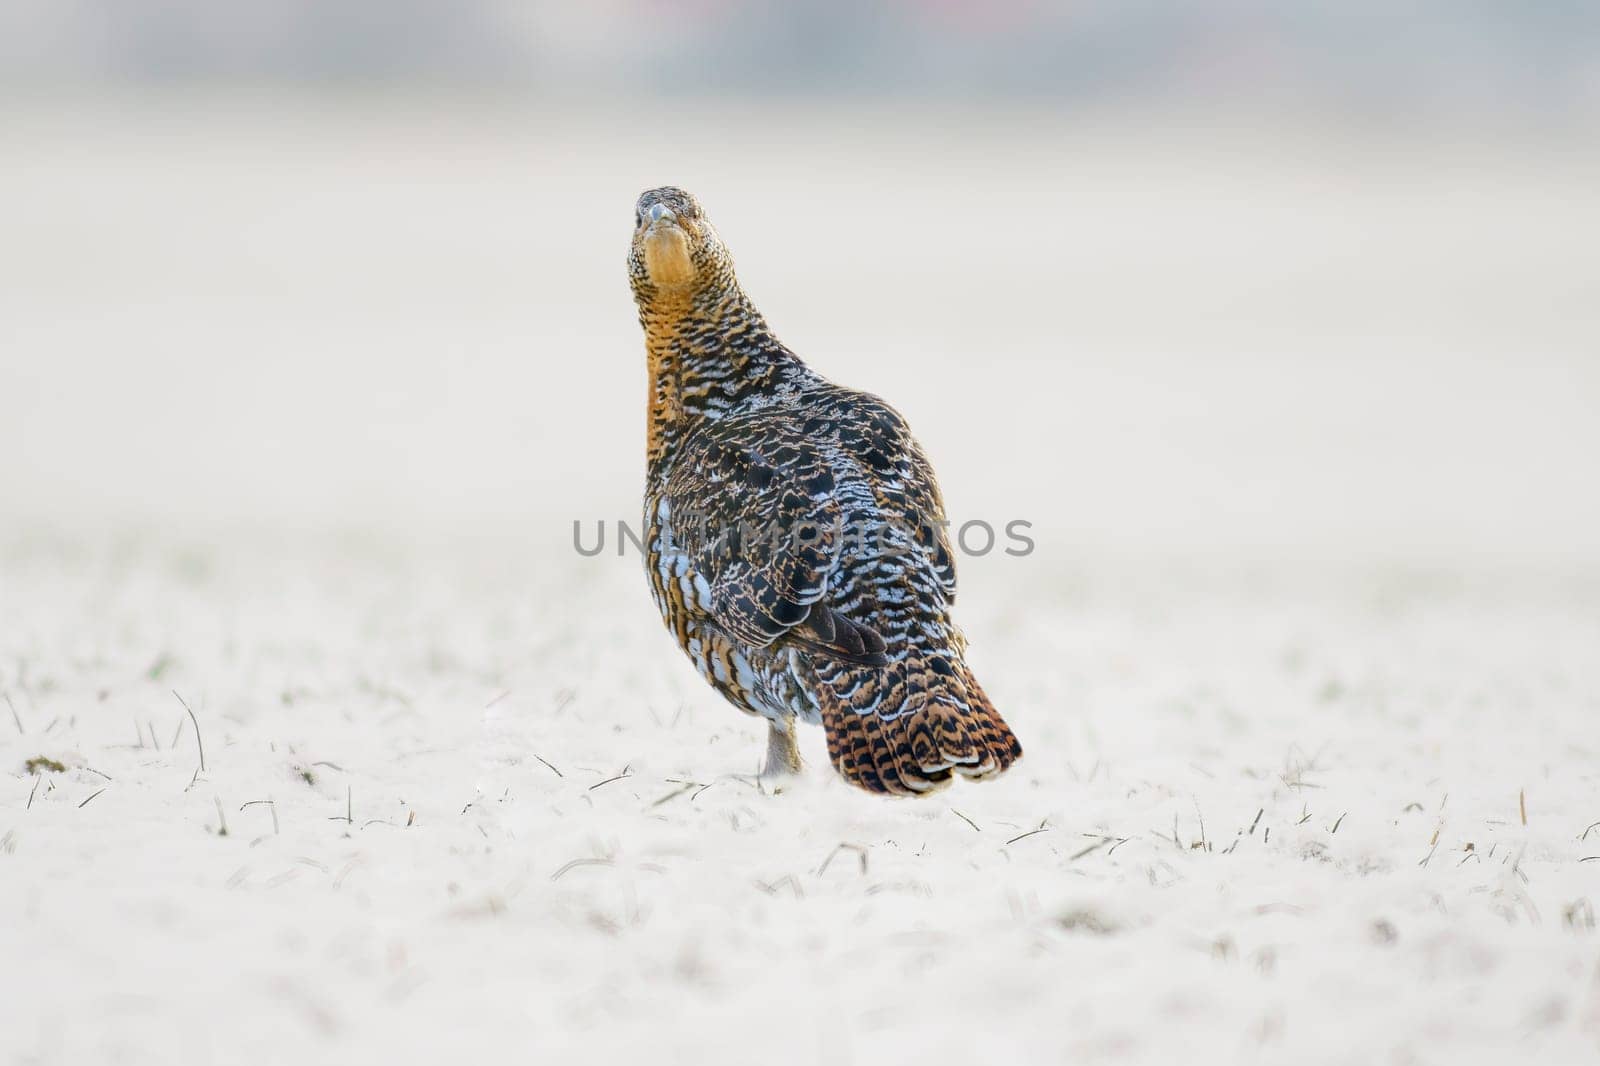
x=795, y=537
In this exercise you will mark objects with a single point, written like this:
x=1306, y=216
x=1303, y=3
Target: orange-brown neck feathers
x=667, y=259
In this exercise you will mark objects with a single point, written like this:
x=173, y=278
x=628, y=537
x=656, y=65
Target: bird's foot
x=783, y=764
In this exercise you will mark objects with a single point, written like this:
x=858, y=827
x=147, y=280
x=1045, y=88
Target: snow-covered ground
x=298, y=405
x=467, y=811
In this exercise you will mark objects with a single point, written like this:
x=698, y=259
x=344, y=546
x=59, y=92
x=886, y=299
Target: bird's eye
x=638, y=219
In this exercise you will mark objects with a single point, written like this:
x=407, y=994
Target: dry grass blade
x=790, y=880
x=575, y=863
x=271, y=806
x=201, y=744
x=675, y=793
x=1029, y=833
x=85, y=803
x=861, y=853
x=15, y=717
x=349, y=867
x=1091, y=849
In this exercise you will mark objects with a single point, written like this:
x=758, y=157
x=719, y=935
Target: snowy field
x=298, y=405
x=459, y=812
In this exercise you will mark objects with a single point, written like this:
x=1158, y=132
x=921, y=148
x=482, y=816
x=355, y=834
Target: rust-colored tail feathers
x=939, y=723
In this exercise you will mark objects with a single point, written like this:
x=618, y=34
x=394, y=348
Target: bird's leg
x=783, y=751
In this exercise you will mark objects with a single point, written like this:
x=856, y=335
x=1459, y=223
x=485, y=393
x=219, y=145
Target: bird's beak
x=661, y=212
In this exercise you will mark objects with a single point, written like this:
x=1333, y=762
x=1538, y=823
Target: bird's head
x=676, y=251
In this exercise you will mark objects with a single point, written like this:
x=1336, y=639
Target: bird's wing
x=902, y=478
x=754, y=514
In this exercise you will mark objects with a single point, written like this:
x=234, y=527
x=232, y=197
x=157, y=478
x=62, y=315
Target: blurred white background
x=1295, y=285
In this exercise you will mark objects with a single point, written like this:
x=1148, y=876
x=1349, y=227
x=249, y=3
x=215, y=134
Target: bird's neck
x=708, y=351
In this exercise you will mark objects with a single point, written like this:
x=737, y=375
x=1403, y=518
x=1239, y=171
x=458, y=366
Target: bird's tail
x=908, y=727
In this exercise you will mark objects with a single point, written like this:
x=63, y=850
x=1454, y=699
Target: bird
x=794, y=534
